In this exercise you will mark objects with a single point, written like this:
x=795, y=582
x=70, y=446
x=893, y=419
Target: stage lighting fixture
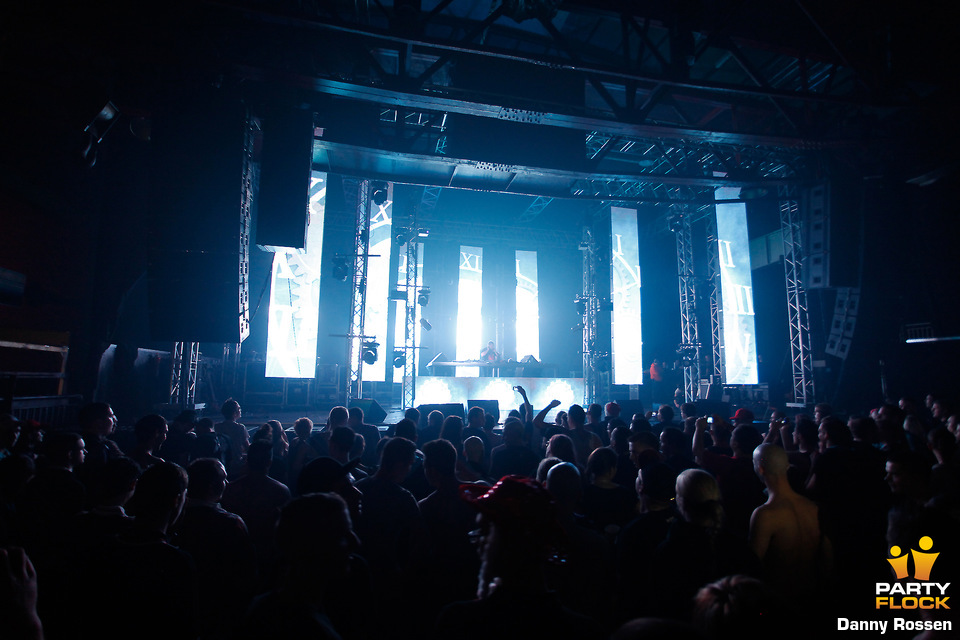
x=399, y=359
x=603, y=363
x=379, y=196
x=402, y=234
x=675, y=223
x=341, y=269
x=425, y=324
x=369, y=351
x=424, y=298
x=423, y=233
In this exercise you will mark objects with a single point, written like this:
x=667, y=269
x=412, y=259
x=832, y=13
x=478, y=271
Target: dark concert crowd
x=660, y=524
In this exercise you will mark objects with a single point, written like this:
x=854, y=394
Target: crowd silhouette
x=596, y=525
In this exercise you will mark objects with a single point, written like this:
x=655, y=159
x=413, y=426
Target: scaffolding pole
x=798, y=317
x=176, y=371
x=359, y=295
x=591, y=304
x=249, y=187
x=410, y=324
x=184, y=373
x=716, y=304
x=689, y=350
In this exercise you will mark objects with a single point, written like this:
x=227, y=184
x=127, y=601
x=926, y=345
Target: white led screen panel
x=528, y=306
x=736, y=282
x=294, y=307
x=469, y=304
x=378, y=285
x=627, y=342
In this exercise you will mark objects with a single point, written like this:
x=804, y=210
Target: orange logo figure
x=923, y=562
x=898, y=562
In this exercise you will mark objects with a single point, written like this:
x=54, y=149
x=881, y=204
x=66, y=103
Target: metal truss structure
x=428, y=202
x=230, y=365
x=798, y=318
x=690, y=342
x=249, y=186
x=359, y=294
x=716, y=306
x=591, y=305
x=184, y=373
x=410, y=322
x=534, y=209
x=660, y=96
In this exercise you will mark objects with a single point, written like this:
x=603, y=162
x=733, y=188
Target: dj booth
x=438, y=390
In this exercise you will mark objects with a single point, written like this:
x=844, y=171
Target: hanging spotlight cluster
x=368, y=350
x=379, y=195
x=341, y=268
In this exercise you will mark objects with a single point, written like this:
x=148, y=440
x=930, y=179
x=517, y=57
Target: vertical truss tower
x=716, y=307
x=690, y=343
x=410, y=322
x=591, y=304
x=359, y=296
x=797, y=315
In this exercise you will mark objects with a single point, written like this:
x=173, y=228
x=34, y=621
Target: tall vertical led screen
x=378, y=283
x=294, y=309
x=627, y=342
x=736, y=290
x=528, y=305
x=469, y=304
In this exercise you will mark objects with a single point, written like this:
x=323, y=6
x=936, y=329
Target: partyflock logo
x=910, y=592
x=919, y=594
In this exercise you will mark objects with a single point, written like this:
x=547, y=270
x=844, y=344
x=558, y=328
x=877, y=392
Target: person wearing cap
x=742, y=416
x=519, y=538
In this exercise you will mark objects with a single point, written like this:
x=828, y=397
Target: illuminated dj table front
x=540, y=391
